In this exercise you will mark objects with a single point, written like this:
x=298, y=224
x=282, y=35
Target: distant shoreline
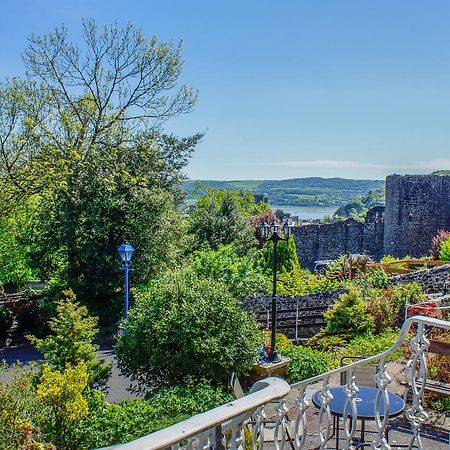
x=306, y=212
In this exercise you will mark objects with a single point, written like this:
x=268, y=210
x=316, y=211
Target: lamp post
x=126, y=252
x=273, y=233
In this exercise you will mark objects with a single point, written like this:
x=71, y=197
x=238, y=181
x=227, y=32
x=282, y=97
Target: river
x=306, y=212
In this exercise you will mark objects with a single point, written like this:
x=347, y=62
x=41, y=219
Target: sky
x=287, y=89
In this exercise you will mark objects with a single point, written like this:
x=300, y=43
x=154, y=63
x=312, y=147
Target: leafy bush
x=302, y=282
x=59, y=394
x=444, y=253
x=287, y=256
x=243, y=274
x=71, y=343
x=442, y=404
x=6, y=320
x=305, y=363
x=349, y=315
x=109, y=424
x=282, y=342
x=219, y=218
x=185, y=327
x=324, y=341
x=378, y=278
x=18, y=409
x=436, y=243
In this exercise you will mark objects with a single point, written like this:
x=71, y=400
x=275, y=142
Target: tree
x=83, y=136
x=222, y=217
x=72, y=342
x=194, y=320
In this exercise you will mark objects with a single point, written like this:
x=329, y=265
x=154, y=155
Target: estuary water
x=306, y=212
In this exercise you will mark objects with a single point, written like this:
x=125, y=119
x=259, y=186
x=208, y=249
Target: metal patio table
x=365, y=407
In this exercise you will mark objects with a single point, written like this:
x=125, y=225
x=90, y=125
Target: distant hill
x=312, y=191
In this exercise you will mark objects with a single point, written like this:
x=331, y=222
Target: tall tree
x=84, y=134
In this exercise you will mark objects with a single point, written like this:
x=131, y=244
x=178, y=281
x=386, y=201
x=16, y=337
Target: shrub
x=349, y=315
x=287, y=257
x=305, y=363
x=436, y=243
x=18, y=408
x=282, y=342
x=109, y=424
x=185, y=327
x=302, y=282
x=324, y=341
x=243, y=274
x=444, y=253
x=63, y=407
x=378, y=278
x=72, y=341
x=6, y=320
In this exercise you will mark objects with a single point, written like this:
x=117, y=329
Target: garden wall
x=329, y=241
x=431, y=280
x=308, y=309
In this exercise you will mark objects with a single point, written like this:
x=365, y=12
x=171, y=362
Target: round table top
x=365, y=402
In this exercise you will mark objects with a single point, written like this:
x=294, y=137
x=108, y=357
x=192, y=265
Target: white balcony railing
x=223, y=427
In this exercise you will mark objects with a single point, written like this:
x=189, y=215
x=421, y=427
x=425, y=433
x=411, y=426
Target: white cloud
x=433, y=164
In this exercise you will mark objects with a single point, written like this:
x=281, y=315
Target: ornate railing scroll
x=225, y=427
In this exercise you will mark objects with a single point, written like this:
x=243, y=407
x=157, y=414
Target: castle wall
x=329, y=241
x=417, y=206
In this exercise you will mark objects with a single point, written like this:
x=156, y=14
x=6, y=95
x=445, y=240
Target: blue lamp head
x=126, y=252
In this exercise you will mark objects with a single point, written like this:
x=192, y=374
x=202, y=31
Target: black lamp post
x=126, y=252
x=272, y=233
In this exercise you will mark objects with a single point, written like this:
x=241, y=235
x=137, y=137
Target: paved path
x=24, y=352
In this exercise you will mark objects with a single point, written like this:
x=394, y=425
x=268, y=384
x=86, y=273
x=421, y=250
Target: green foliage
x=442, y=404
x=444, y=253
x=372, y=344
x=358, y=207
x=324, y=341
x=109, y=424
x=287, y=256
x=64, y=408
x=243, y=274
x=282, y=342
x=6, y=320
x=305, y=363
x=71, y=342
x=311, y=191
x=220, y=218
x=302, y=282
x=19, y=411
x=348, y=315
x=14, y=247
x=195, y=321
x=378, y=278
x=92, y=159
x=436, y=242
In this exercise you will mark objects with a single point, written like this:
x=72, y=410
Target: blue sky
x=350, y=88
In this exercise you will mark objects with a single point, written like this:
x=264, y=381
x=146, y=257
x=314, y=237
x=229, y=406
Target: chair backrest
x=235, y=386
x=364, y=375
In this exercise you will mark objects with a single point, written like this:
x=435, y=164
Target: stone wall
x=308, y=308
x=417, y=206
x=329, y=241
x=431, y=280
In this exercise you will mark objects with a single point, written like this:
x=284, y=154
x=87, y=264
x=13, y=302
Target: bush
x=6, y=320
x=349, y=315
x=59, y=394
x=444, y=253
x=243, y=275
x=109, y=424
x=185, y=327
x=324, y=341
x=436, y=243
x=305, y=363
x=302, y=282
x=287, y=257
x=378, y=278
x=72, y=341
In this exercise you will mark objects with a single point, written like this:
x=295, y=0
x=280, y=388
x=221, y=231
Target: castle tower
x=417, y=206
